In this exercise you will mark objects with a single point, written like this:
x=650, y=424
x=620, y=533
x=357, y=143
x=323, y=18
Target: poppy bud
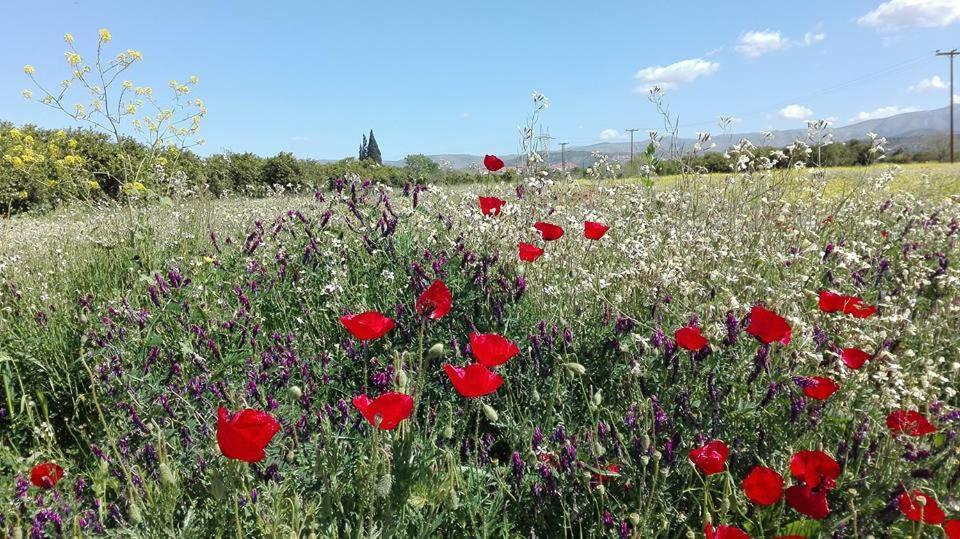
x=401, y=378
x=166, y=475
x=135, y=515
x=295, y=392
x=436, y=351
x=725, y=505
x=601, y=490
x=691, y=534
x=645, y=442
x=453, y=500
x=83, y=318
x=448, y=432
x=598, y=398
x=535, y=395
x=634, y=519
x=490, y=413
x=384, y=485
x=657, y=455
x=645, y=460
x=598, y=448
x=575, y=368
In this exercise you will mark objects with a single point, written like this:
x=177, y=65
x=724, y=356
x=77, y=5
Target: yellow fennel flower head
x=105, y=35
x=136, y=55
x=73, y=58
x=68, y=38
x=72, y=143
x=138, y=186
x=28, y=69
x=194, y=79
x=22, y=195
x=127, y=84
x=93, y=185
x=60, y=134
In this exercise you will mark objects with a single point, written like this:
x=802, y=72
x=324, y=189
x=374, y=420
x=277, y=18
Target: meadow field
x=767, y=353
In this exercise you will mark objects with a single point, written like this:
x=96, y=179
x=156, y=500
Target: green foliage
x=422, y=166
x=373, y=150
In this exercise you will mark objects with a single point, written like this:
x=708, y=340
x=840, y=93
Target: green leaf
x=804, y=527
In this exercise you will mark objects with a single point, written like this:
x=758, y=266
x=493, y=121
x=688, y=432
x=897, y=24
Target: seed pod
x=491, y=414
x=384, y=485
x=295, y=392
x=436, y=351
x=575, y=368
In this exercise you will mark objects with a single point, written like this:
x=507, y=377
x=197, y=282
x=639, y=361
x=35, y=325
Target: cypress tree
x=373, y=151
x=363, y=149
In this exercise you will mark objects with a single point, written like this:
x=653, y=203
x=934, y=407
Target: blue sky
x=455, y=77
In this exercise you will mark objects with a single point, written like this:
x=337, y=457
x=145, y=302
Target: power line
x=950, y=54
x=563, y=156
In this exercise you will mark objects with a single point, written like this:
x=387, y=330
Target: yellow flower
x=22, y=195
x=27, y=94
x=105, y=35
x=72, y=143
x=209, y=259
x=127, y=84
x=136, y=55
x=92, y=185
x=139, y=186
x=73, y=58
x=68, y=38
x=194, y=79
x=28, y=69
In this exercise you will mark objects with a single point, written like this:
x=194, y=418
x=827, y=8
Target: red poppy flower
x=768, y=326
x=724, y=532
x=244, y=434
x=763, y=486
x=491, y=205
x=492, y=162
x=854, y=357
x=386, y=411
x=529, y=252
x=46, y=474
x=435, y=302
x=689, y=338
x=919, y=507
x=910, y=423
x=711, y=457
x=952, y=529
x=605, y=474
x=548, y=231
x=831, y=302
x=818, y=387
x=808, y=502
x=815, y=469
x=593, y=230
x=474, y=380
x=367, y=326
x=492, y=350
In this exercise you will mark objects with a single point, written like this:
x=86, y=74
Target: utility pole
x=563, y=156
x=631, y=131
x=951, y=54
x=545, y=146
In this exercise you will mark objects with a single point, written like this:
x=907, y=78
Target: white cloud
x=882, y=112
x=933, y=83
x=810, y=38
x=610, y=134
x=901, y=14
x=755, y=44
x=796, y=112
x=956, y=98
x=671, y=76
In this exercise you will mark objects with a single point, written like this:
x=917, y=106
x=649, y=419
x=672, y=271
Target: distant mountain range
x=911, y=131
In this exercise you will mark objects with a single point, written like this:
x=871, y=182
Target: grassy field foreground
x=123, y=331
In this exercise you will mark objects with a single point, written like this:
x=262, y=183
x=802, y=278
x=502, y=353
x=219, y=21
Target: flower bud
x=401, y=377
x=448, y=432
x=634, y=519
x=384, y=485
x=645, y=460
x=135, y=516
x=436, y=351
x=645, y=442
x=453, y=500
x=598, y=448
x=598, y=398
x=491, y=414
x=166, y=475
x=575, y=368
x=295, y=392
x=657, y=455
